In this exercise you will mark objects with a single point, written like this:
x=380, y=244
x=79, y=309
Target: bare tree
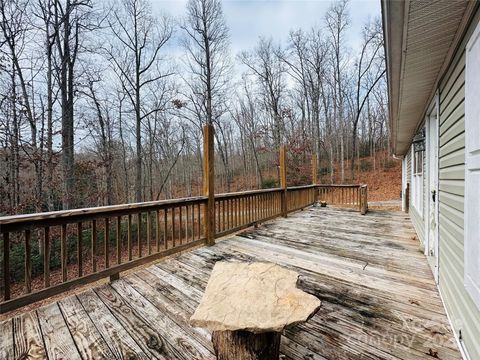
x=337, y=22
x=136, y=59
x=206, y=43
x=370, y=70
x=269, y=70
x=71, y=19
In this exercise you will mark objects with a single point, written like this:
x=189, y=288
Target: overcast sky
x=249, y=19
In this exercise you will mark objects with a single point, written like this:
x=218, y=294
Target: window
x=417, y=183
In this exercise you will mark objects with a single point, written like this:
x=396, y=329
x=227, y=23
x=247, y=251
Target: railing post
x=407, y=198
x=209, y=183
x=6, y=266
x=363, y=199
x=314, y=177
x=283, y=179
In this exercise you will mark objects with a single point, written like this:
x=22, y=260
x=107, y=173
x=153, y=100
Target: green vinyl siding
x=418, y=224
x=464, y=314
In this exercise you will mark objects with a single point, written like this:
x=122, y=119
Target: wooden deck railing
x=76, y=247
x=345, y=195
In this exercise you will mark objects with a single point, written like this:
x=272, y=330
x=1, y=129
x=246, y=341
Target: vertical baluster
x=231, y=213
x=252, y=208
x=193, y=222
x=63, y=252
x=262, y=206
x=6, y=265
x=263, y=199
x=149, y=231
x=242, y=211
x=266, y=204
x=139, y=234
x=46, y=257
x=187, y=219
x=158, y=230
x=165, y=224
x=173, y=227
x=119, y=239
x=217, y=214
x=106, y=249
x=199, y=214
x=28, y=261
x=245, y=210
x=219, y=226
x=224, y=215
x=227, y=214
x=79, y=249
x=180, y=227
x=237, y=207
x=129, y=237
x=94, y=245
x=249, y=209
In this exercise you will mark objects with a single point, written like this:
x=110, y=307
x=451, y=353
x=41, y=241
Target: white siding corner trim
x=472, y=168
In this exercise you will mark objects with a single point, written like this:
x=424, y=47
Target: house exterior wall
x=464, y=314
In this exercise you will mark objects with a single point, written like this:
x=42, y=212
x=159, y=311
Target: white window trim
x=417, y=184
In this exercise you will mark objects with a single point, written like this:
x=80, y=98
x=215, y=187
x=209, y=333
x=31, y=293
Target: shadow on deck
x=379, y=299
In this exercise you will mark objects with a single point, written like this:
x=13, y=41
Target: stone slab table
x=247, y=306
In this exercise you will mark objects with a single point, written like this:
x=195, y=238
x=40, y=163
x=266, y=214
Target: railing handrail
x=340, y=185
x=18, y=222
x=14, y=222
x=6, y=222
x=301, y=187
x=246, y=193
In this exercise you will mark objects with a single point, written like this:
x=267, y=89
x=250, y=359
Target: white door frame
x=432, y=172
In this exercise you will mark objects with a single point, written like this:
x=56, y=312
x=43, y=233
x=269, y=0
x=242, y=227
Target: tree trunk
x=244, y=345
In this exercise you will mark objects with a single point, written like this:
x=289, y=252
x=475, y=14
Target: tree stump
x=245, y=345
x=247, y=306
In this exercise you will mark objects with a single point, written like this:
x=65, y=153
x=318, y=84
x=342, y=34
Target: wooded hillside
x=103, y=102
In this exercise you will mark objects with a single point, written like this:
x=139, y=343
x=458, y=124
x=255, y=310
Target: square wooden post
x=364, y=199
x=314, y=177
x=283, y=179
x=209, y=183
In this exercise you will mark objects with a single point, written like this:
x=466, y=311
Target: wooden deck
x=379, y=300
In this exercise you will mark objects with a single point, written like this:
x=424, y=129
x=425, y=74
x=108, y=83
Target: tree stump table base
x=245, y=345
x=248, y=305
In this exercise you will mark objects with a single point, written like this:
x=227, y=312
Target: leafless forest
x=104, y=102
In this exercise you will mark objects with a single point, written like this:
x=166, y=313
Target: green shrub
x=269, y=183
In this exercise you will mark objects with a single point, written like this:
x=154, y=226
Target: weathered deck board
x=59, y=343
x=27, y=337
x=7, y=350
x=90, y=343
x=379, y=300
